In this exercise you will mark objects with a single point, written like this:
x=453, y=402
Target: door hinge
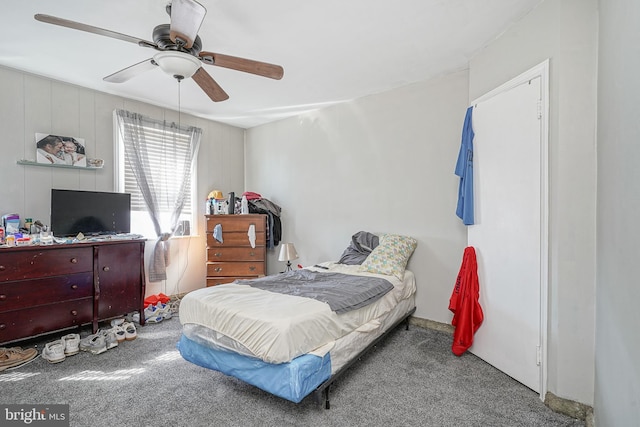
x=538, y=355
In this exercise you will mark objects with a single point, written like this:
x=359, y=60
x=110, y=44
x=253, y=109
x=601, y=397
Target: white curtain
x=158, y=197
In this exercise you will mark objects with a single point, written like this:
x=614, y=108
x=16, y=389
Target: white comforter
x=276, y=327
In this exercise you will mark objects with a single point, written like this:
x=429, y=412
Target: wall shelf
x=32, y=163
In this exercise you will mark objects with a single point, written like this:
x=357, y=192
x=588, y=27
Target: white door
x=508, y=234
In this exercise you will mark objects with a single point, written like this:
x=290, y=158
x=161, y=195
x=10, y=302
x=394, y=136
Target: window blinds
x=166, y=152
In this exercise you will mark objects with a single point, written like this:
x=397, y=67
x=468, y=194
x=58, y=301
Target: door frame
x=539, y=71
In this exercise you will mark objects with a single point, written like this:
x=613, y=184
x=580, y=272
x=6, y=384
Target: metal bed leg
x=324, y=389
x=327, y=404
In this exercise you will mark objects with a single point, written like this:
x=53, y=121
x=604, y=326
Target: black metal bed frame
x=322, y=391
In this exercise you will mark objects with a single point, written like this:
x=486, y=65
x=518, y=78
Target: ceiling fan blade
x=247, y=65
x=131, y=71
x=186, y=18
x=91, y=29
x=209, y=86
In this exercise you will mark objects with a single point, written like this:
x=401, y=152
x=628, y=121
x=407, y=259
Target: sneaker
x=135, y=317
x=164, y=310
x=151, y=315
x=120, y=333
x=110, y=338
x=71, y=344
x=53, y=352
x=16, y=356
x=130, y=332
x=117, y=322
x=94, y=343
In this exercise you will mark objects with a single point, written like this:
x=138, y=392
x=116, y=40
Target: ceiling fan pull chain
x=179, y=80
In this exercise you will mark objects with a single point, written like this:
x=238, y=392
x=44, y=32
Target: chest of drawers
x=50, y=288
x=235, y=257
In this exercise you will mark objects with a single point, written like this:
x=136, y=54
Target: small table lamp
x=288, y=253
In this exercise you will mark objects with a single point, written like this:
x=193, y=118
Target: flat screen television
x=89, y=212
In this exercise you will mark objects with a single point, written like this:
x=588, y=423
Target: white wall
x=565, y=31
x=31, y=104
x=384, y=164
x=617, y=400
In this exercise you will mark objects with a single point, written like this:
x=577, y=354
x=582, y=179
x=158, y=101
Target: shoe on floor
x=94, y=343
x=164, y=310
x=16, y=356
x=53, y=352
x=120, y=333
x=152, y=314
x=71, y=344
x=117, y=322
x=110, y=338
x=130, y=332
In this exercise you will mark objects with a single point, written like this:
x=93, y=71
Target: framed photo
x=60, y=150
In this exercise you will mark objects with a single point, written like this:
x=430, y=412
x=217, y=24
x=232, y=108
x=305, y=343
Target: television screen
x=89, y=212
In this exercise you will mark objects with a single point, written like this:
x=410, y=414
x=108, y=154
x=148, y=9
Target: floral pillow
x=390, y=257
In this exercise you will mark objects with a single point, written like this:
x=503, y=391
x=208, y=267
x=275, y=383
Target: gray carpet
x=410, y=379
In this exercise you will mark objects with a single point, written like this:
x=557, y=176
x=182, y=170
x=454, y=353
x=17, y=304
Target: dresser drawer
x=35, y=292
x=20, y=265
x=235, y=269
x=236, y=254
x=46, y=318
x=236, y=223
x=235, y=239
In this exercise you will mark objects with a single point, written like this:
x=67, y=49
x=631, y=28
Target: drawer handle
x=74, y=260
x=217, y=269
x=74, y=312
x=252, y=254
x=2, y=268
x=74, y=287
x=252, y=268
x=218, y=254
x=3, y=297
x=105, y=268
x=3, y=326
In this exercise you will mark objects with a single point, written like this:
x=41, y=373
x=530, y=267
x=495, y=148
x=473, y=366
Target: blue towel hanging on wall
x=464, y=169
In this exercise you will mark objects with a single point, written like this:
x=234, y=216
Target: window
x=166, y=152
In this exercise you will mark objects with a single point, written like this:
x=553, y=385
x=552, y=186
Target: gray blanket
x=343, y=292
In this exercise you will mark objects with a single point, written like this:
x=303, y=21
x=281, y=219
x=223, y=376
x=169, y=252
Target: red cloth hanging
x=465, y=304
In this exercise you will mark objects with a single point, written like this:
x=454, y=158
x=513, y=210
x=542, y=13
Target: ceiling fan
x=179, y=50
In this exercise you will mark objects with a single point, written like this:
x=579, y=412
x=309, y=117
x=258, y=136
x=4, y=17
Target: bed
x=293, y=334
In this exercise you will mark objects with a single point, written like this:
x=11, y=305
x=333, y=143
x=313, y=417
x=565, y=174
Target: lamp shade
x=287, y=252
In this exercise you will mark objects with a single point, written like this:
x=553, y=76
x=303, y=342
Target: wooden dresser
x=234, y=257
x=50, y=288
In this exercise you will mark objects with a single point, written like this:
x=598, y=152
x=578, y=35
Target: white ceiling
x=331, y=50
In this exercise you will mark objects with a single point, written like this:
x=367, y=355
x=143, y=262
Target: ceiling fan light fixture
x=177, y=64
